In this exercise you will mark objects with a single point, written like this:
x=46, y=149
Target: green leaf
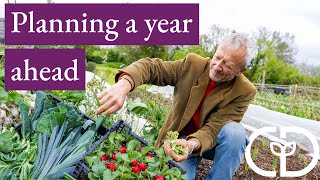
x=86, y=137
x=154, y=173
x=156, y=164
x=126, y=176
x=111, y=137
x=124, y=157
x=134, y=155
x=69, y=177
x=119, y=137
x=57, y=119
x=37, y=170
x=160, y=153
x=44, y=124
x=62, y=109
x=108, y=175
x=13, y=97
x=124, y=168
x=38, y=104
x=62, y=173
x=92, y=176
x=98, y=168
x=5, y=136
x=26, y=120
x=149, y=160
x=146, y=149
x=6, y=146
x=87, y=124
x=173, y=171
x=99, y=121
x=133, y=145
x=3, y=95
x=137, y=107
x=90, y=160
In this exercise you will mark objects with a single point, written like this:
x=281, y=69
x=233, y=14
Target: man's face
x=226, y=63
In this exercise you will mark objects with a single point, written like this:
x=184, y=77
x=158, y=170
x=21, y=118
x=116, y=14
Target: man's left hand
x=178, y=157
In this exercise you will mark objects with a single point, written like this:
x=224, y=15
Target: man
x=210, y=99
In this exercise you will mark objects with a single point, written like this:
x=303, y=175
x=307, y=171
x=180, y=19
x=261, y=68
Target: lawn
x=108, y=71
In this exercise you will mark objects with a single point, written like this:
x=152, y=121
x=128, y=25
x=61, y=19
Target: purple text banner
x=44, y=69
x=102, y=24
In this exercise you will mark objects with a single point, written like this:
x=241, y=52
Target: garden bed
x=265, y=161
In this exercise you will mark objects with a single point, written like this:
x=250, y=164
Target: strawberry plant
x=128, y=158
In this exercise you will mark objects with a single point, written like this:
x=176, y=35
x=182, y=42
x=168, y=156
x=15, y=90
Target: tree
x=278, y=72
x=93, y=53
x=311, y=70
x=182, y=53
x=114, y=55
x=134, y=53
x=271, y=45
x=284, y=46
x=210, y=41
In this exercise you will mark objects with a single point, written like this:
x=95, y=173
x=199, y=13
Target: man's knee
x=234, y=135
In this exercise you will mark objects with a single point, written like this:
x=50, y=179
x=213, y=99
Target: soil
x=265, y=160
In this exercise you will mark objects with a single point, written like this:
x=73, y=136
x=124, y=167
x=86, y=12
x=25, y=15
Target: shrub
x=91, y=66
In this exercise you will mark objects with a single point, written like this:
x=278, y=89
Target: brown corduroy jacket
x=227, y=102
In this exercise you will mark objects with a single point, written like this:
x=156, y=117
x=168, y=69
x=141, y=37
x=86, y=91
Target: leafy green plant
x=246, y=167
x=156, y=112
x=301, y=157
x=16, y=155
x=275, y=162
x=264, y=144
x=48, y=114
x=302, y=106
x=254, y=155
x=121, y=156
x=170, y=136
x=91, y=66
x=59, y=155
x=6, y=97
x=72, y=97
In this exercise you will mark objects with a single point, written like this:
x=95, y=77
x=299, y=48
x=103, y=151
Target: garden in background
x=283, y=86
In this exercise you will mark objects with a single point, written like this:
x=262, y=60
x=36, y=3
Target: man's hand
x=112, y=99
x=188, y=146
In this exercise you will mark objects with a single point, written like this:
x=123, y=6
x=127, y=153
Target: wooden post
x=293, y=98
x=263, y=79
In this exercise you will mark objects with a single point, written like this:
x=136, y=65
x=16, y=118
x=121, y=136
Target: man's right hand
x=112, y=99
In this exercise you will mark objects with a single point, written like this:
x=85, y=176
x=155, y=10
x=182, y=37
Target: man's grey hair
x=238, y=40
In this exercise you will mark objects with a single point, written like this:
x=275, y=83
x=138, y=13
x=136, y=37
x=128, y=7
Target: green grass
x=116, y=65
x=2, y=49
x=108, y=71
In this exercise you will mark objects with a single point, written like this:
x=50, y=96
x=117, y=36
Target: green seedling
x=170, y=137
